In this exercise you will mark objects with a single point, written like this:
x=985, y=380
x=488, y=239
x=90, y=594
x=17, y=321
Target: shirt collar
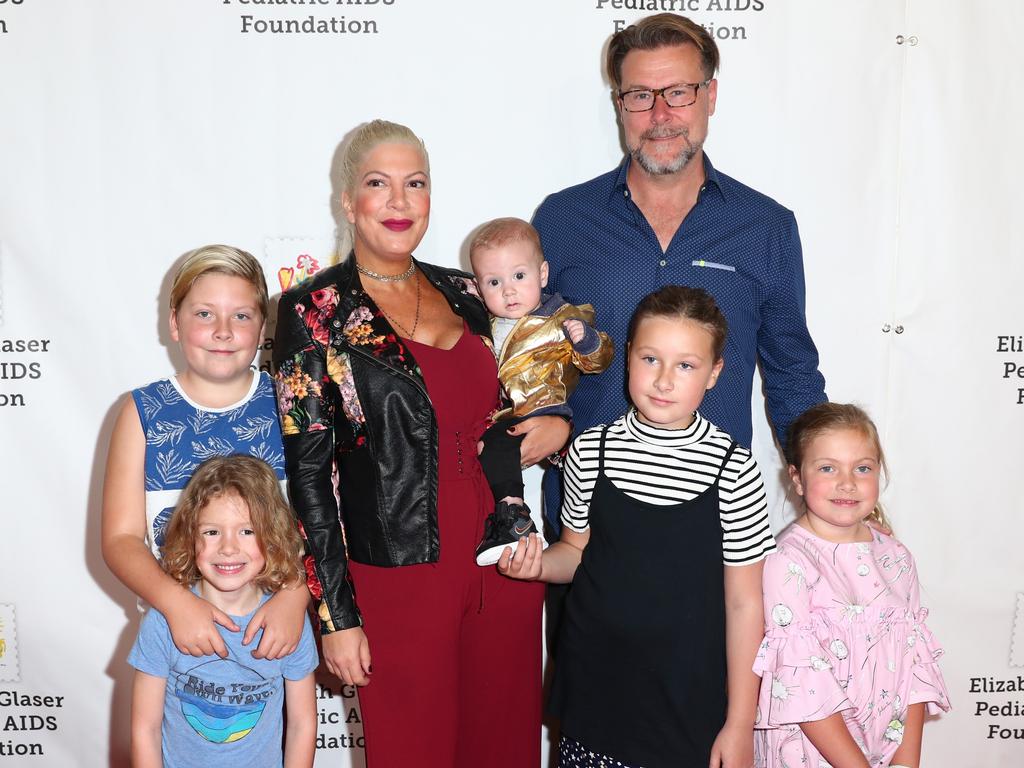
x=711, y=177
x=666, y=438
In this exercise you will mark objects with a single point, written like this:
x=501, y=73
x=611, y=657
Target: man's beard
x=672, y=165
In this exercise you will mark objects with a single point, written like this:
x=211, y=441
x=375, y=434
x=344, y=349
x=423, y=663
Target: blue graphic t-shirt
x=181, y=435
x=220, y=711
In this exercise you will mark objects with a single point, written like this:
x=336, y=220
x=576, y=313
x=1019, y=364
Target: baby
x=541, y=343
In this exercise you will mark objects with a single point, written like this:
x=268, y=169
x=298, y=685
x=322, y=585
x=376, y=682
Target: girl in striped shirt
x=665, y=527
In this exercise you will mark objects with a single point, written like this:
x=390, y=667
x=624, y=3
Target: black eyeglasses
x=678, y=95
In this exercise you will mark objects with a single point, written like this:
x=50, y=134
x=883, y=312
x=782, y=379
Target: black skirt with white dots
x=572, y=754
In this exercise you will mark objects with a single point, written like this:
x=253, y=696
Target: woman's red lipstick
x=397, y=225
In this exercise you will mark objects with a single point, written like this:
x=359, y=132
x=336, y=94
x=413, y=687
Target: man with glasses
x=665, y=216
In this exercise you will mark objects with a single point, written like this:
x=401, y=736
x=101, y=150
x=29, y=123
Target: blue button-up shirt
x=737, y=244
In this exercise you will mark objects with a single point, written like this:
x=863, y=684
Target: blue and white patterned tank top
x=180, y=435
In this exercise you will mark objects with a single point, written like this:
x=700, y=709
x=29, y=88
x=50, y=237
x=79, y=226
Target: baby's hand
x=525, y=562
x=575, y=330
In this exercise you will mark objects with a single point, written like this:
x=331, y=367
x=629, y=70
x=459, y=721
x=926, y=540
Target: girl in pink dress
x=847, y=664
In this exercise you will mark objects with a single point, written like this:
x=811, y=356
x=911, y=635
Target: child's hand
x=193, y=627
x=525, y=563
x=733, y=748
x=347, y=655
x=575, y=330
x=281, y=619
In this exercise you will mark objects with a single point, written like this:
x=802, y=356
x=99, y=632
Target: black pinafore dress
x=641, y=671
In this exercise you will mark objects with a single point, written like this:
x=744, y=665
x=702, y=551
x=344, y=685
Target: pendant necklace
x=416, y=320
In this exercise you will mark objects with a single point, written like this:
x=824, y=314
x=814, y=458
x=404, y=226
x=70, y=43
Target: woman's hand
x=525, y=563
x=347, y=654
x=193, y=621
x=545, y=435
x=281, y=618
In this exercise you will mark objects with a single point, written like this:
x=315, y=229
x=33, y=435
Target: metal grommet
x=886, y=328
x=898, y=329
x=912, y=39
x=899, y=39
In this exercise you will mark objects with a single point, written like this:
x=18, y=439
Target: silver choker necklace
x=388, y=278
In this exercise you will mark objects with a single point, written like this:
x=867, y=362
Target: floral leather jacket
x=355, y=412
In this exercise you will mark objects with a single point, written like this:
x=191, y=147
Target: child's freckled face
x=671, y=365
x=510, y=277
x=228, y=553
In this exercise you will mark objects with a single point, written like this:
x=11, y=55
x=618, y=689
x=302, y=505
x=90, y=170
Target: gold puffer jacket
x=539, y=366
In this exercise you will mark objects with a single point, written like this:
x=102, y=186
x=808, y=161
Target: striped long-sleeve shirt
x=669, y=466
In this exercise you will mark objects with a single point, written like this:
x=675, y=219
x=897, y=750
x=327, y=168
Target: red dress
x=455, y=648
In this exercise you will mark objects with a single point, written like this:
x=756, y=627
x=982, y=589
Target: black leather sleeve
x=307, y=399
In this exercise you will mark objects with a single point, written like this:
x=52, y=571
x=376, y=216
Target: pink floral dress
x=844, y=632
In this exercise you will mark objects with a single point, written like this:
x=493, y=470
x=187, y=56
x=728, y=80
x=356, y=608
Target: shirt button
x=663, y=263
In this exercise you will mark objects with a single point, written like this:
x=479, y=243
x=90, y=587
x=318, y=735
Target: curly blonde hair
x=275, y=526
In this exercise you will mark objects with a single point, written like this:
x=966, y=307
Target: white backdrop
x=131, y=132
